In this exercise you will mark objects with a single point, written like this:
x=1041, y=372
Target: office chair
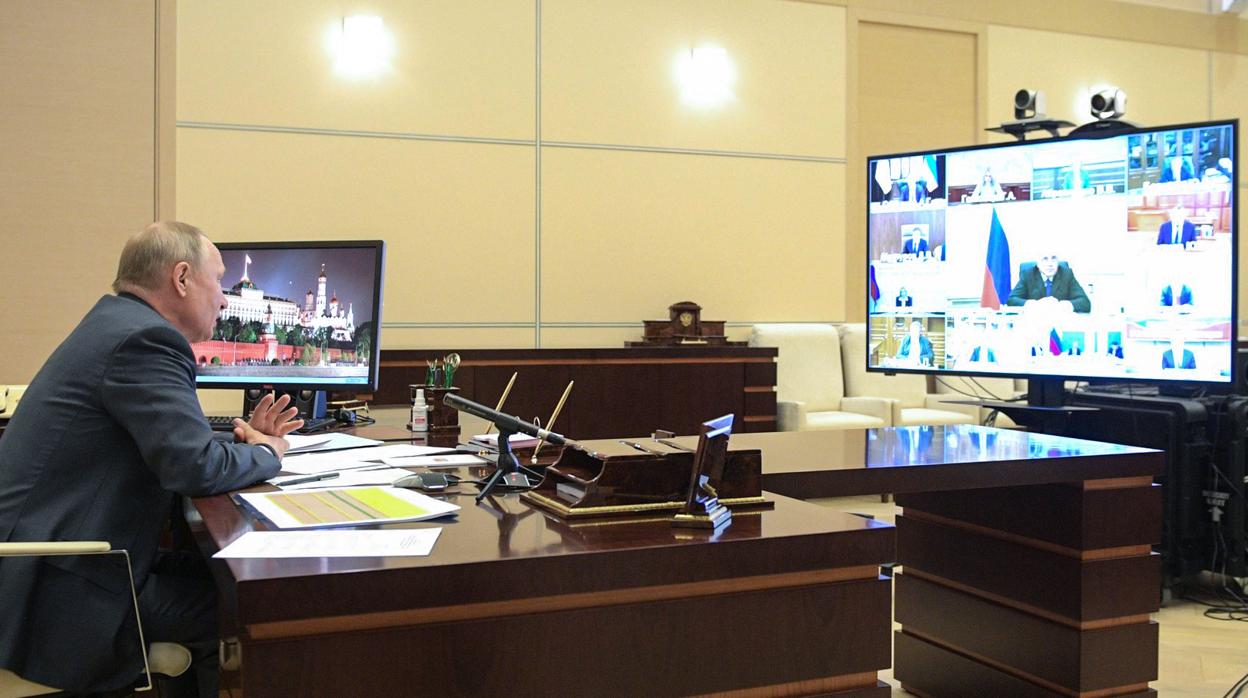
x=167, y=658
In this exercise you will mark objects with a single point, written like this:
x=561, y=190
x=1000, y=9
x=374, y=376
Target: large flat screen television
x=300, y=316
x=1102, y=257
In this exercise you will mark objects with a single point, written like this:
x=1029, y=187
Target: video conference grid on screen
x=296, y=315
x=1107, y=258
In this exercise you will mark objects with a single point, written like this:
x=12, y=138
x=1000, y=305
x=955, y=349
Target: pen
x=310, y=478
x=643, y=449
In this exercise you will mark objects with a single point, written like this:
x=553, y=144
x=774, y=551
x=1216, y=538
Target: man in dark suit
x=1177, y=349
x=904, y=300
x=1049, y=281
x=109, y=432
x=915, y=245
x=1178, y=230
x=1177, y=169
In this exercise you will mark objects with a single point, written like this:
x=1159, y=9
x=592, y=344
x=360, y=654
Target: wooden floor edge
x=546, y=604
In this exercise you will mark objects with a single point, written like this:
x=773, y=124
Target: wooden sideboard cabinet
x=619, y=392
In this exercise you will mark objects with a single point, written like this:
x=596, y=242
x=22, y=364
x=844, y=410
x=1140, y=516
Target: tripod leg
x=489, y=484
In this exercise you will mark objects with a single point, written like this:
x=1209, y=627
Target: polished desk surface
x=498, y=550
x=813, y=464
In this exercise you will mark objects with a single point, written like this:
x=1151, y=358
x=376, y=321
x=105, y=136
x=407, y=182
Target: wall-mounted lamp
x=361, y=46
x=705, y=76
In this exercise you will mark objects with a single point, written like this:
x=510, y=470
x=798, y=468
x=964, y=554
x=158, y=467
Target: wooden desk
x=618, y=391
x=1027, y=558
x=514, y=602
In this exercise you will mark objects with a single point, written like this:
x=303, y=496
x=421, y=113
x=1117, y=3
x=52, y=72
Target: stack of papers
x=320, y=462
x=300, y=443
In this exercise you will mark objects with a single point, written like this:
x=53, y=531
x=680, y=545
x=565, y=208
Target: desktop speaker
x=310, y=403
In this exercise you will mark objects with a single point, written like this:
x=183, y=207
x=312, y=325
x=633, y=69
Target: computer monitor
x=1099, y=257
x=302, y=316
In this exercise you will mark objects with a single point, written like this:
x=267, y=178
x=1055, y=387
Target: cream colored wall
x=83, y=88
x=600, y=194
x=643, y=201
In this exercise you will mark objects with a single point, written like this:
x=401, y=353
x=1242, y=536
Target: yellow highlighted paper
x=345, y=506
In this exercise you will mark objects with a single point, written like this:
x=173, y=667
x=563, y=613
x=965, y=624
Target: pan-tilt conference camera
x=1109, y=103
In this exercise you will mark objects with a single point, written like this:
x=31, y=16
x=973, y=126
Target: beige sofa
x=907, y=393
x=810, y=390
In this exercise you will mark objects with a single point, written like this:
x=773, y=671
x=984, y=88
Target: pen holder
x=442, y=419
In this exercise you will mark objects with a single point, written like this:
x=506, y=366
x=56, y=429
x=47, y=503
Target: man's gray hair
x=149, y=254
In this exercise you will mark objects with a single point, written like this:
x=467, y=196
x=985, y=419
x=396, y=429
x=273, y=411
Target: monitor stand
x=1046, y=392
x=310, y=403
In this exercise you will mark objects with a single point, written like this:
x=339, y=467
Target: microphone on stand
x=506, y=422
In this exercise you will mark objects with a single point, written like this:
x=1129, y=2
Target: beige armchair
x=10, y=395
x=168, y=658
x=907, y=393
x=809, y=385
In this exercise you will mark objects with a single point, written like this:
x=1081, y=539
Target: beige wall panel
x=457, y=218
x=1164, y=85
x=460, y=67
x=608, y=74
x=77, y=153
x=456, y=338
x=625, y=235
x=917, y=88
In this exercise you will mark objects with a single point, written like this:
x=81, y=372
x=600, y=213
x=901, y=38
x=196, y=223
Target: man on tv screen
x=1178, y=230
x=1049, y=281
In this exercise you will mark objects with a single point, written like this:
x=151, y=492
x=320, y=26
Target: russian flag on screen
x=996, y=267
x=874, y=288
x=1055, y=342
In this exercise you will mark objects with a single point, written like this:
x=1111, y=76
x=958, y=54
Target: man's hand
x=270, y=422
x=272, y=417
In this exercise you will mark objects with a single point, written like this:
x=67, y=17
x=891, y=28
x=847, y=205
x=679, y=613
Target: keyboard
x=220, y=423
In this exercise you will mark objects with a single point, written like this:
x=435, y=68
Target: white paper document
x=447, y=461
x=313, y=463
x=300, y=442
x=324, y=442
x=382, y=543
x=379, y=475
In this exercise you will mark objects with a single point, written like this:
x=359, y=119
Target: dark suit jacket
x=906, y=302
x=1185, y=295
x=1165, y=234
x=926, y=353
x=109, y=430
x=1189, y=359
x=1185, y=172
x=1066, y=287
x=910, y=247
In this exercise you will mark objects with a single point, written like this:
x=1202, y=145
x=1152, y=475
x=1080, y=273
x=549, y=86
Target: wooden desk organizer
x=581, y=485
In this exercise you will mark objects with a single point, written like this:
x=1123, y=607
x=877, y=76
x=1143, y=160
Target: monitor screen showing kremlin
x=299, y=316
x=1101, y=257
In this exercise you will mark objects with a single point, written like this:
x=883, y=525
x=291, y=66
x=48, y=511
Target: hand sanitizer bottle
x=420, y=412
